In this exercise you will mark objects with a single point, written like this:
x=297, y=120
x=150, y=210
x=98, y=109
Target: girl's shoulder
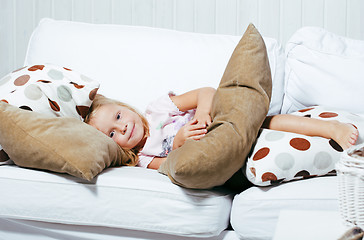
x=163, y=104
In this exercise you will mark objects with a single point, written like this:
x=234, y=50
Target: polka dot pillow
x=48, y=89
x=283, y=156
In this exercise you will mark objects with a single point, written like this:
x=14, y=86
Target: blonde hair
x=99, y=101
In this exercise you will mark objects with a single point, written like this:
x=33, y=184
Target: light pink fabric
x=164, y=119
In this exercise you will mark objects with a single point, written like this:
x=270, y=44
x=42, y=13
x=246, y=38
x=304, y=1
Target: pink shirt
x=164, y=119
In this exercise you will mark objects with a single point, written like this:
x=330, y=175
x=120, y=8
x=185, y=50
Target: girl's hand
x=202, y=118
x=192, y=130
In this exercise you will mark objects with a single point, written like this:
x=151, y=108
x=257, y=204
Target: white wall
x=274, y=18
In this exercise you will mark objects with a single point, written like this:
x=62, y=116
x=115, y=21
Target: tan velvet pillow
x=59, y=144
x=239, y=107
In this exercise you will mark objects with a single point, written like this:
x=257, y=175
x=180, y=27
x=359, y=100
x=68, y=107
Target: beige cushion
x=239, y=108
x=49, y=89
x=65, y=145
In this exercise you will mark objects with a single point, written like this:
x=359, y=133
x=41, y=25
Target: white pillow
x=137, y=64
x=324, y=69
x=49, y=89
x=283, y=156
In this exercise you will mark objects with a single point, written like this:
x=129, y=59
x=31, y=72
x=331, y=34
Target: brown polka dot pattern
x=335, y=145
x=276, y=182
x=82, y=110
x=77, y=85
x=252, y=170
x=54, y=105
x=282, y=156
x=49, y=89
x=36, y=67
x=26, y=108
x=305, y=110
x=261, y=153
x=93, y=94
x=328, y=115
x=302, y=173
x=300, y=144
x=309, y=176
x=44, y=81
x=268, y=176
x=22, y=80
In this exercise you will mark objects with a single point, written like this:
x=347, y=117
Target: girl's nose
x=123, y=129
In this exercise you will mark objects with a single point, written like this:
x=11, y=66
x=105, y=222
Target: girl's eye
x=118, y=116
x=112, y=134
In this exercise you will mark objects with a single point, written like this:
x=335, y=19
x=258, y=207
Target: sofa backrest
x=138, y=64
x=323, y=68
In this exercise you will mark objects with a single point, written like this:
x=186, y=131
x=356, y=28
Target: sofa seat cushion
x=255, y=212
x=126, y=198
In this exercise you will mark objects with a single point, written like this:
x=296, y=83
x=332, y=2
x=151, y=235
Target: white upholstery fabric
x=15, y=229
x=138, y=64
x=324, y=69
x=255, y=212
x=127, y=198
x=134, y=65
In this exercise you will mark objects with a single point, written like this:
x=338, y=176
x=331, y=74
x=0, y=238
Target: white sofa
x=136, y=65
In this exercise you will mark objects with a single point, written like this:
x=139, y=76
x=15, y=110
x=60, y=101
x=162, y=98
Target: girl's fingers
x=193, y=121
x=202, y=122
x=197, y=126
x=197, y=132
x=197, y=137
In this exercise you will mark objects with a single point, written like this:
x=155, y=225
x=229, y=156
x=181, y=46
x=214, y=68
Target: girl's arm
x=343, y=133
x=156, y=162
x=199, y=99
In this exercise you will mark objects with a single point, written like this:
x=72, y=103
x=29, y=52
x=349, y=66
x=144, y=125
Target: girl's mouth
x=132, y=131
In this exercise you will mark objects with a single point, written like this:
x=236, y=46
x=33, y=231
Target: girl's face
x=124, y=126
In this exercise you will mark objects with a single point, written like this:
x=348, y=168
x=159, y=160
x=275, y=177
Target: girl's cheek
x=121, y=141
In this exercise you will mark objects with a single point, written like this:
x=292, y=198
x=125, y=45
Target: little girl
x=171, y=119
